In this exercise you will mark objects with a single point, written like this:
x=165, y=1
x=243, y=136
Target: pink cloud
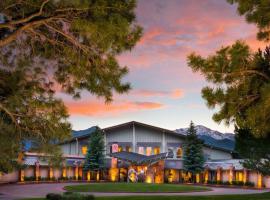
x=98, y=108
x=175, y=94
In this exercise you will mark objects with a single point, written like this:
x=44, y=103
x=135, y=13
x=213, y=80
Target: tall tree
x=193, y=152
x=254, y=151
x=68, y=45
x=95, y=157
x=240, y=86
x=257, y=12
x=29, y=112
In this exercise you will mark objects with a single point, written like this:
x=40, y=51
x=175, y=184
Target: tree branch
x=24, y=20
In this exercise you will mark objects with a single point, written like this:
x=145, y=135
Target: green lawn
x=265, y=196
x=134, y=187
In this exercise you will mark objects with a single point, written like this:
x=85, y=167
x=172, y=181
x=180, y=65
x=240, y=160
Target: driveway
x=17, y=191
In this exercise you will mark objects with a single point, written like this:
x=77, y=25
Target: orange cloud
x=177, y=93
x=97, y=108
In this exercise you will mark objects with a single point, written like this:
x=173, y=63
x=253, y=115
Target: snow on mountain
x=212, y=137
x=204, y=131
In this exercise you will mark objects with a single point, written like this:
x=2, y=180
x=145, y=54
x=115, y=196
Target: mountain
x=82, y=133
x=212, y=137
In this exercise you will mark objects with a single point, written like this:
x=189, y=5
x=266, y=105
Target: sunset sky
x=165, y=92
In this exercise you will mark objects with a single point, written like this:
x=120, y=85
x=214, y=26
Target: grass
x=264, y=196
x=131, y=187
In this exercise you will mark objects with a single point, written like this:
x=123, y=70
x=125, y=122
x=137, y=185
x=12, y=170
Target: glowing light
x=88, y=176
x=259, y=180
x=231, y=176
x=113, y=174
x=22, y=175
x=98, y=176
x=76, y=172
x=206, y=176
x=51, y=173
x=148, y=151
x=148, y=179
x=219, y=175
x=197, y=178
x=84, y=150
x=156, y=150
x=37, y=171
x=64, y=172
x=245, y=176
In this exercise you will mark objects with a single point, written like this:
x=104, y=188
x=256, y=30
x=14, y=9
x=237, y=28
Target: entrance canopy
x=139, y=159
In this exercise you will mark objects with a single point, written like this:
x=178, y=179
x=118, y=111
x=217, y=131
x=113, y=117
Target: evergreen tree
x=257, y=12
x=71, y=45
x=95, y=157
x=193, y=152
x=240, y=86
x=254, y=151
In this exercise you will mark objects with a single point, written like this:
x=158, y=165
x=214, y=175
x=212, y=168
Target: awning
x=139, y=159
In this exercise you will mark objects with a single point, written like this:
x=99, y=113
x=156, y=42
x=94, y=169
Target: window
x=128, y=149
x=239, y=176
x=120, y=149
x=84, y=150
x=171, y=153
x=179, y=152
x=141, y=150
x=157, y=150
x=148, y=151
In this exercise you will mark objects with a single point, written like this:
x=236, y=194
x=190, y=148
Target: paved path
x=11, y=192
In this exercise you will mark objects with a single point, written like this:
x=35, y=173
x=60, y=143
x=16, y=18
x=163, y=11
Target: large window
x=128, y=148
x=179, y=153
x=149, y=151
x=157, y=150
x=84, y=150
x=141, y=150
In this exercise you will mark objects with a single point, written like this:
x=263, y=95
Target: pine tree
x=49, y=45
x=95, y=158
x=193, y=153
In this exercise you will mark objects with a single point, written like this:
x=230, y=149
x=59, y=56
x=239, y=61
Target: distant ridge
x=212, y=137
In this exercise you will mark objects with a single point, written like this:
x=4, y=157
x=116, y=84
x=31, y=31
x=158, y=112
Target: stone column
x=37, y=171
x=260, y=180
x=245, y=176
x=231, y=174
x=219, y=174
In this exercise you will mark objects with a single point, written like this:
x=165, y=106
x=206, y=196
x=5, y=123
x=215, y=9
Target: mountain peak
x=212, y=137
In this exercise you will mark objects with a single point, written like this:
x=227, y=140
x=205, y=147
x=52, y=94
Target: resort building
x=135, y=150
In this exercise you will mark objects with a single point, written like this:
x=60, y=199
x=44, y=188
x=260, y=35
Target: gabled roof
x=163, y=130
x=143, y=125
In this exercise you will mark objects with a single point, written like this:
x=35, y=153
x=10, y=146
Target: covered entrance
x=141, y=168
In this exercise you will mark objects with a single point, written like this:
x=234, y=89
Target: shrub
x=250, y=184
x=69, y=196
x=53, y=196
x=29, y=178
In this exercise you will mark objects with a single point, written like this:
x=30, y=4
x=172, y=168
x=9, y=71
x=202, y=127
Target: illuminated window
x=84, y=150
x=120, y=149
x=179, y=152
x=128, y=149
x=141, y=150
x=148, y=151
x=156, y=150
x=239, y=176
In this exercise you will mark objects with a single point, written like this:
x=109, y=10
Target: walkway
x=11, y=192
